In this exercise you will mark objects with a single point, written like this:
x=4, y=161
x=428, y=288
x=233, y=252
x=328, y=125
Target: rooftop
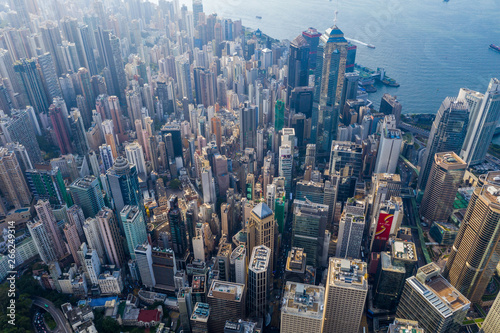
x=440, y=294
x=129, y=212
x=226, y=290
x=225, y=250
x=198, y=284
x=201, y=312
x=348, y=273
x=296, y=260
x=84, y=183
x=259, y=261
x=405, y=326
x=404, y=250
x=303, y=300
x=450, y=160
x=262, y=211
x=238, y=253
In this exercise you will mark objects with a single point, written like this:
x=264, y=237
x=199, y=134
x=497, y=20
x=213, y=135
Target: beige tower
x=445, y=177
x=492, y=322
x=302, y=309
x=44, y=212
x=12, y=181
x=475, y=254
x=346, y=290
x=261, y=229
x=110, y=234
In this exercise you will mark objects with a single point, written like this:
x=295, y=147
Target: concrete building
x=492, y=321
x=446, y=175
x=303, y=307
x=238, y=265
x=351, y=228
x=227, y=302
x=43, y=241
x=285, y=168
x=199, y=318
x=44, y=213
x=308, y=229
x=404, y=325
x=110, y=234
x=12, y=182
x=134, y=228
x=259, y=281
x=71, y=234
x=473, y=257
x=485, y=113
x=261, y=229
x=389, y=148
x=144, y=260
x=432, y=301
x=87, y=194
x=346, y=290
x=135, y=155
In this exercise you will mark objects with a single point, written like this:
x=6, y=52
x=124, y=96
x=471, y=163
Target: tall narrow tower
x=474, y=255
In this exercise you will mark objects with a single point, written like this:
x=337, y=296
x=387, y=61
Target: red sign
x=384, y=226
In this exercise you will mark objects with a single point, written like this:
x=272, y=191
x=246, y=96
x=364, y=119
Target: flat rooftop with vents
x=348, y=273
x=226, y=290
x=303, y=299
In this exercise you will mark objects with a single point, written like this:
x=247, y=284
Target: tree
x=175, y=184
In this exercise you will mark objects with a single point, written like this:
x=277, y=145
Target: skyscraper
x=134, y=228
x=177, y=228
x=330, y=71
x=446, y=175
x=110, y=233
x=285, y=169
x=12, y=183
x=346, y=158
x=238, y=265
x=351, y=228
x=227, y=301
x=390, y=105
x=484, y=117
x=18, y=128
x=94, y=238
x=144, y=259
x=259, y=281
x=298, y=63
x=43, y=241
x=135, y=155
x=302, y=309
x=474, y=256
x=74, y=243
x=391, y=141
x=432, y=301
x=308, y=229
x=44, y=213
x=447, y=134
x=261, y=229
x=346, y=290
x=87, y=194
x=32, y=83
x=46, y=183
x=492, y=321
x=124, y=184
x=59, y=121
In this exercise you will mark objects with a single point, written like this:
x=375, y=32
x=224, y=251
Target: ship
x=370, y=46
x=495, y=47
x=258, y=17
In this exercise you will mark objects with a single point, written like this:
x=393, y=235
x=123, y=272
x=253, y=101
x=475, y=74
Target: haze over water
x=432, y=48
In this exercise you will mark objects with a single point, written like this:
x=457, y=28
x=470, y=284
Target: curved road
x=62, y=323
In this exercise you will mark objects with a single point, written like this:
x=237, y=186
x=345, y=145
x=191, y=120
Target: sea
x=431, y=47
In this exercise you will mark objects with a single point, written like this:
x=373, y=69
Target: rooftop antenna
x=335, y=19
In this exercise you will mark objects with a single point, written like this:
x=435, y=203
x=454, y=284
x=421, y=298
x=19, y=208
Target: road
x=62, y=323
x=408, y=209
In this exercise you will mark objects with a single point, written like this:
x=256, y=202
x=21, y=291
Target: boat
x=370, y=46
x=258, y=17
x=390, y=82
x=495, y=47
